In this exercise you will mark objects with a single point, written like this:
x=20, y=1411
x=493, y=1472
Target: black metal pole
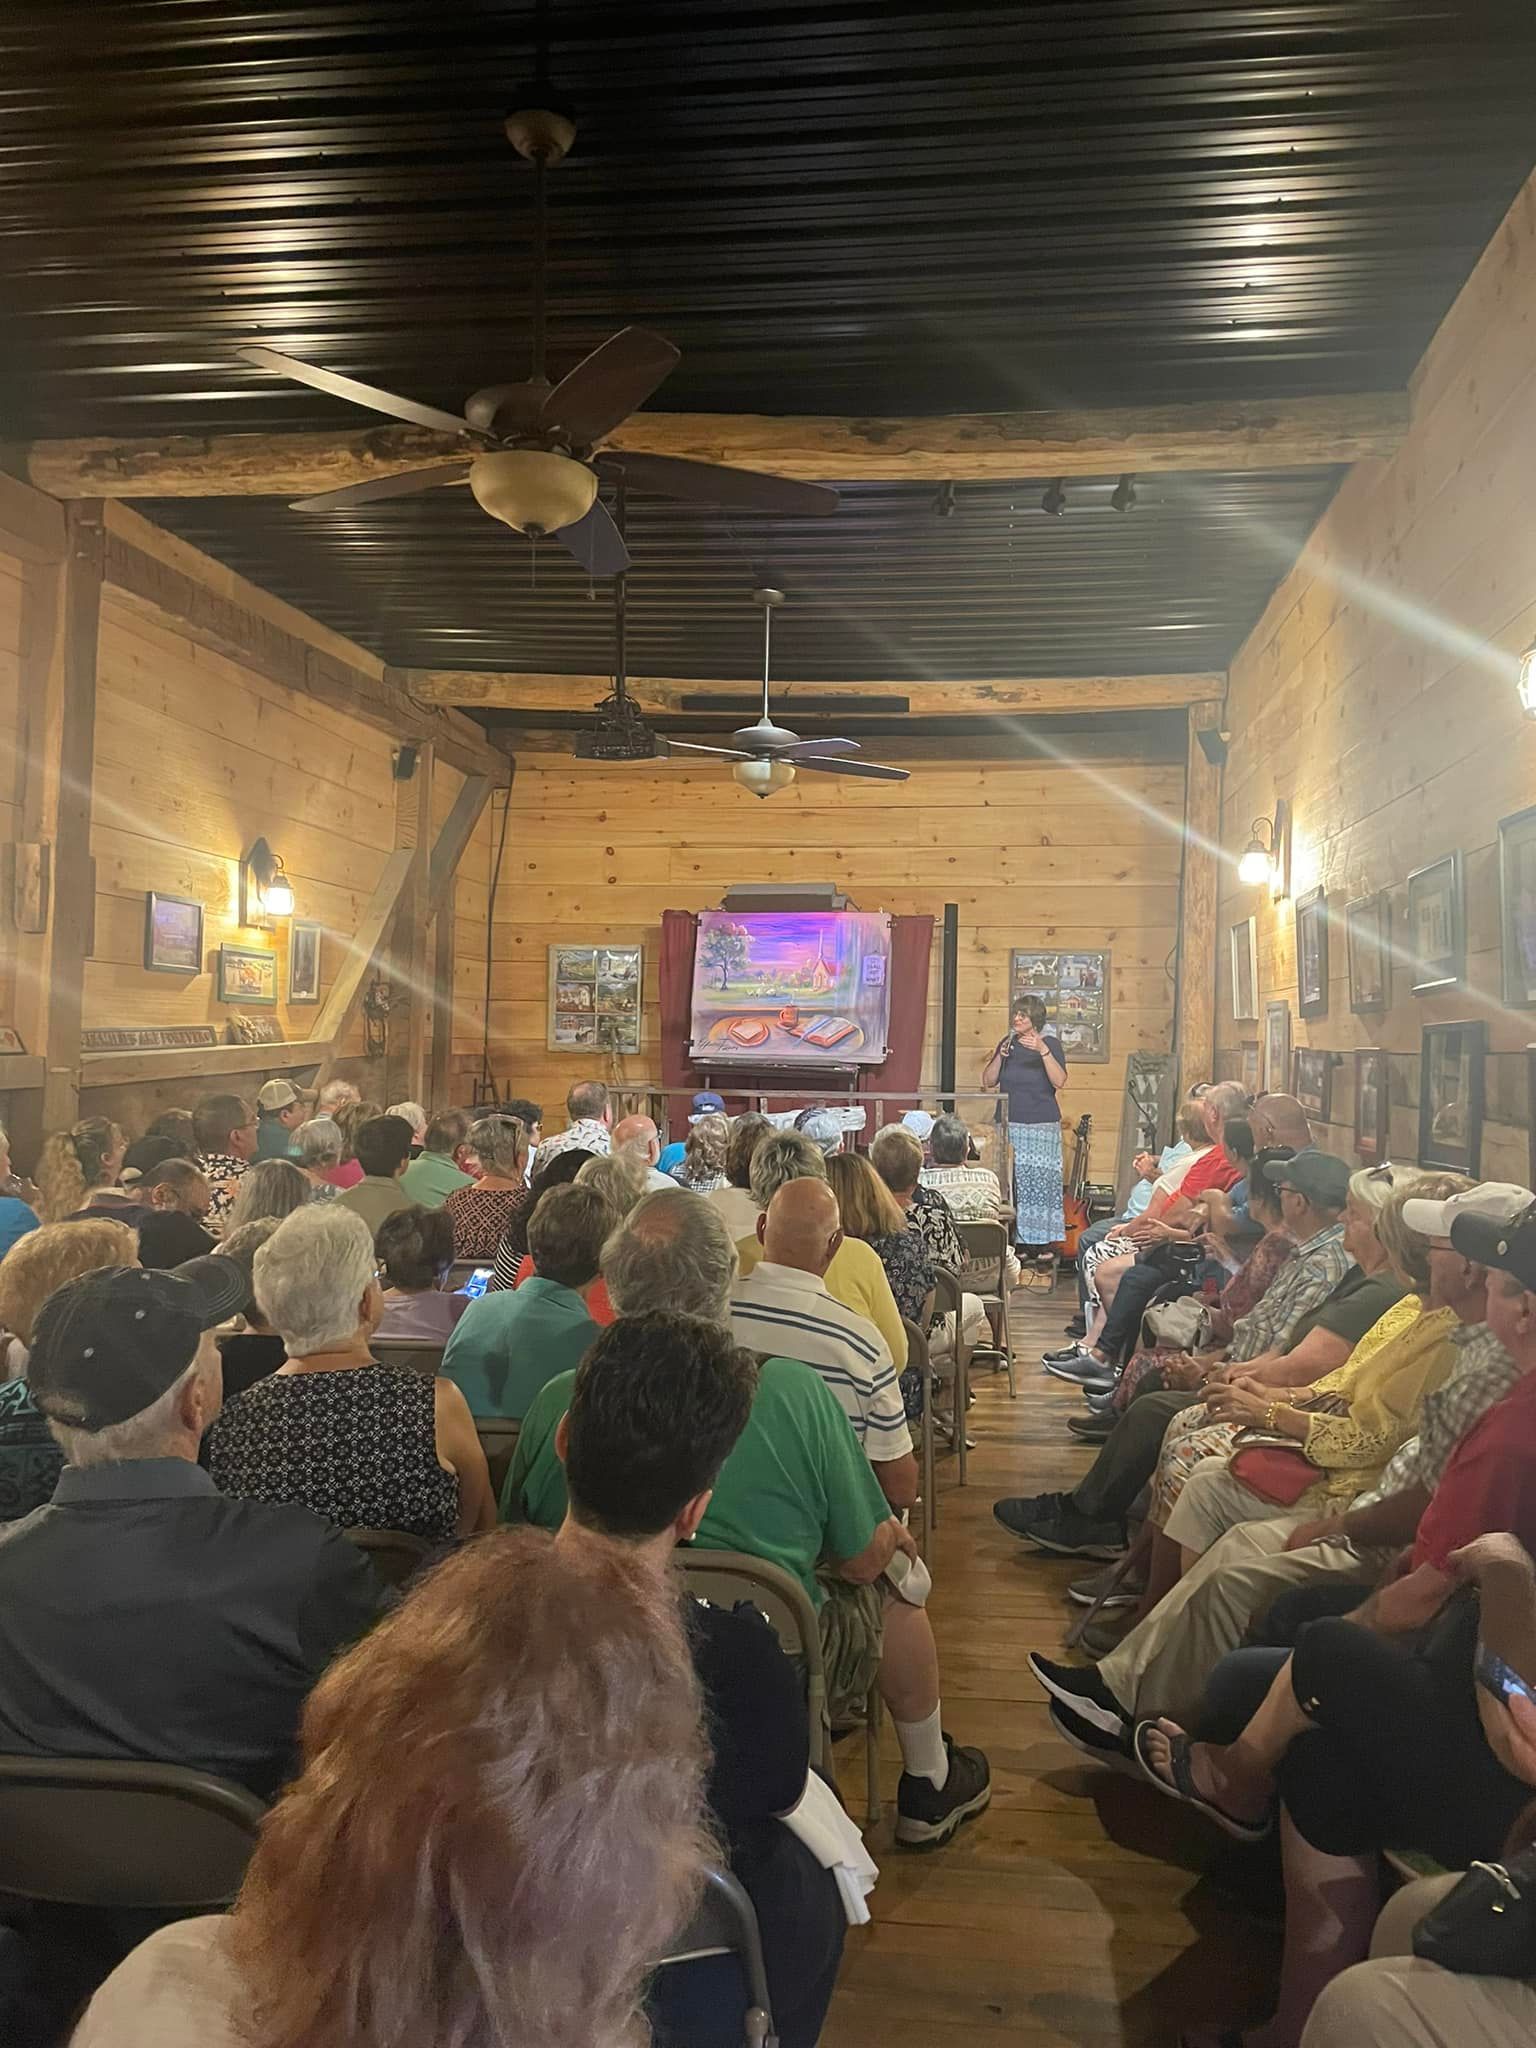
x=949, y=996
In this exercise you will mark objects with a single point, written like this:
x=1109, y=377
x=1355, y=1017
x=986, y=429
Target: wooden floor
x=1078, y=1909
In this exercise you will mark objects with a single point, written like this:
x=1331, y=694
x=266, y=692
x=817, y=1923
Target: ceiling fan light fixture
x=531, y=490
x=764, y=778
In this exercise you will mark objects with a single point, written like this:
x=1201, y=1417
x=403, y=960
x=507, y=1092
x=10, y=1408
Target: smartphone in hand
x=1495, y=1676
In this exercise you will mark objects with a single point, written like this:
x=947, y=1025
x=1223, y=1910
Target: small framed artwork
x=1243, y=939
x=173, y=934
x=303, y=961
x=1277, y=1047
x=1517, y=906
x=1280, y=844
x=1249, y=1071
x=1373, y=1104
x=1312, y=1081
x=1368, y=931
x=1312, y=953
x=1451, y=1096
x=247, y=975
x=1437, y=925
x=1074, y=987
x=595, y=998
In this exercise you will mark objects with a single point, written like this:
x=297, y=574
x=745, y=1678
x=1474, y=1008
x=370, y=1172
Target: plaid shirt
x=1302, y=1284
x=1483, y=1373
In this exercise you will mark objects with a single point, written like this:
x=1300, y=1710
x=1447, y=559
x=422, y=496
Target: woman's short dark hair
x=949, y=1141
x=747, y=1133
x=1237, y=1137
x=658, y=1403
x=1261, y=1188
x=1030, y=1007
x=415, y=1247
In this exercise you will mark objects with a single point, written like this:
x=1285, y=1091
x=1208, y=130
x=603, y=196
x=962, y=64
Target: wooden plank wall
x=1377, y=693
x=1036, y=852
x=11, y=629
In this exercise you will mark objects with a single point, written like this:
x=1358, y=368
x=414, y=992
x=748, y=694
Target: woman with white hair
x=320, y=1146
x=364, y=1445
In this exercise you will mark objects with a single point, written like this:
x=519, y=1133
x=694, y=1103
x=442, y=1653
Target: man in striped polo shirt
x=781, y=1309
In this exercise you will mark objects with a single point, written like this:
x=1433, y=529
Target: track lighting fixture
x=1055, y=499
x=1123, y=496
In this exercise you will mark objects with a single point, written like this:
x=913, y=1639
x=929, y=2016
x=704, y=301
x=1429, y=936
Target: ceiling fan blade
x=872, y=769
x=607, y=386
x=405, y=485
x=350, y=389
x=725, y=753
x=711, y=483
x=596, y=542
x=806, y=750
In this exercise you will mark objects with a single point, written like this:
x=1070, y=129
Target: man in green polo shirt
x=506, y=1346
x=432, y=1176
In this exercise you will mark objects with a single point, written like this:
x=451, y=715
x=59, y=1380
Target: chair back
x=498, y=1439
x=725, y=1923
x=74, y=1832
x=918, y=1361
x=396, y=1553
x=986, y=1253
x=949, y=1300
x=409, y=1354
x=728, y=1576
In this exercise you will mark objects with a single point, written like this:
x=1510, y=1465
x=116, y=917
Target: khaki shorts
x=852, y=1637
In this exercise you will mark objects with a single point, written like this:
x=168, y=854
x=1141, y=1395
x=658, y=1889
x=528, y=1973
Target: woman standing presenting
x=1031, y=1067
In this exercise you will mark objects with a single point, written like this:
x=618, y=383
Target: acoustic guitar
x=1075, y=1194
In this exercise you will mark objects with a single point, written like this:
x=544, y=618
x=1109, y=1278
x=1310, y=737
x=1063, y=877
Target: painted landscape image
x=791, y=988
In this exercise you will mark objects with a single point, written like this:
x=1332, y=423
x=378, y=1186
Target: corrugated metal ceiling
x=829, y=207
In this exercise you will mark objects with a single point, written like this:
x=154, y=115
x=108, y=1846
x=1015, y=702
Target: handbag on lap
x=1486, y=1926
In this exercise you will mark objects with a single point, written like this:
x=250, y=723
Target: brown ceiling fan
x=540, y=459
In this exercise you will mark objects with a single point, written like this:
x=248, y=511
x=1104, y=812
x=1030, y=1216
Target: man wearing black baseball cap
x=143, y=1615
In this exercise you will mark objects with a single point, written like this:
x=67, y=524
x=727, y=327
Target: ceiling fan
x=539, y=463
x=767, y=755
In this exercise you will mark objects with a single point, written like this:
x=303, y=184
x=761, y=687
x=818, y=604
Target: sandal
x=1183, y=1786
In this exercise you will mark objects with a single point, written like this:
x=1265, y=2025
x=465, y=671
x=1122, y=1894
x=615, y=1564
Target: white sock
x=922, y=1749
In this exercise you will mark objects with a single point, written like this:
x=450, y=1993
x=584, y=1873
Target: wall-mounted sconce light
x=1527, y=682
x=265, y=890
x=1258, y=858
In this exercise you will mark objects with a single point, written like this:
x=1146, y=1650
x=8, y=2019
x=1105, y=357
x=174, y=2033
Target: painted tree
x=725, y=950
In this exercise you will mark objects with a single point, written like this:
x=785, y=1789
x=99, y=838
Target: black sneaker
x=1108, y=1590
x=1076, y=1328
x=1093, y=1429
x=1070, y=1534
x=1082, y=1692
x=926, y=1816
x=1019, y=1513
x=1111, y=1750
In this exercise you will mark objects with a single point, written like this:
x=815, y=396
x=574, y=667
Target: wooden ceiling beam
x=1227, y=434
x=474, y=689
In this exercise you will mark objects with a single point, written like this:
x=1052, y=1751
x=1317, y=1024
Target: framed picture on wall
x=303, y=961
x=1277, y=1048
x=1312, y=953
x=173, y=934
x=595, y=998
x=1437, y=925
x=1451, y=1096
x=1074, y=987
x=247, y=975
x=1243, y=939
x=1517, y=906
x=1368, y=932
x=1312, y=1081
x=1373, y=1104
x=1250, y=1066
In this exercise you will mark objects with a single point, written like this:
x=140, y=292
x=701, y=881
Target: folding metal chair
x=725, y=1923
x=948, y=1298
x=75, y=1832
x=986, y=1245
x=918, y=1360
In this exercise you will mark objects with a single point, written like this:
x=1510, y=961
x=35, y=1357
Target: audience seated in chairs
x=855, y=1277
x=509, y=1344
x=415, y=1250
x=350, y=1118
x=498, y=1149
x=270, y=1189
x=224, y=1129
x=319, y=1146
x=871, y=1213
x=735, y=1199
x=657, y=1404
x=433, y=1175
x=175, y=1197
x=796, y=1490
x=17, y=1197
x=143, y=1615
x=280, y=1109
x=897, y=1157
x=590, y=1126
x=335, y=1096
x=362, y=1444
x=702, y=1167
x=44, y=1261
x=383, y=1146
x=254, y=1349
x=973, y=1191
x=639, y=1137
x=77, y=1174
x=499, y=1827
x=782, y=1309
x=513, y=1249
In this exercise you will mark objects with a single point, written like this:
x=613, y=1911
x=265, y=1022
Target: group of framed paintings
x=173, y=944
x=1074, y=988
x=595, y=998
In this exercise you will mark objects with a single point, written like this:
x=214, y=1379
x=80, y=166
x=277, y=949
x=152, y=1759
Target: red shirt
x=1489, y=1484
x=1212, y=1169
x=594, y=1294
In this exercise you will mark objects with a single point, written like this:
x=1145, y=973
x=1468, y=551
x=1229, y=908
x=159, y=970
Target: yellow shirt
x=857, y=1279
x=1400, y=1359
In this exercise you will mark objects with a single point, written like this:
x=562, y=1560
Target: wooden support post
x=407, y=968
x=440, y=1071
x=1196, y=1014
x=55, y=764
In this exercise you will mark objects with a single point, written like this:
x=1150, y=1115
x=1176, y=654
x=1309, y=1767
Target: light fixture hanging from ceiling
x=1258, y=859
x=764, y=778
x=1054, y=498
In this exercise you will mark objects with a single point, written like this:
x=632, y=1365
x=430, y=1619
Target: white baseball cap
x=919, y=1123
x=1499, y=1200
x=276, y=1095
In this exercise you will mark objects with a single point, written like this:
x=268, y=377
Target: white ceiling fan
x=767, y=755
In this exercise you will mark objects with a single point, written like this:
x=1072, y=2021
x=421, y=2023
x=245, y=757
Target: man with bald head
x=782, y=1309
x=638, y=1137
x=1279, y=1120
